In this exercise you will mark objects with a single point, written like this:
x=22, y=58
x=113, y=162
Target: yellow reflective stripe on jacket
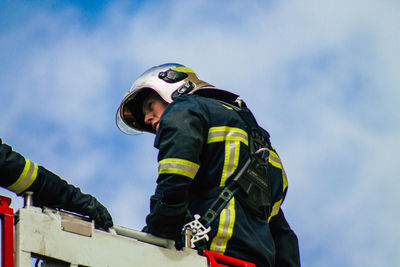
x=276, y=162
x=178, y=166
x=231, y=161
x=27, y=177
x=232, y=138
x=285, y=182
x=274, y=159
x=225, y=133
x=225, y=228
x=275, y=209
x=228, y=107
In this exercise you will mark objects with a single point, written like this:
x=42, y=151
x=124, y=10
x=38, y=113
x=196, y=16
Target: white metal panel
x=41, y=233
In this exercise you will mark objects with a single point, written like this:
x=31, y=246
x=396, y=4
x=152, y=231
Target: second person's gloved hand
x=52, y=191
x=88, y=205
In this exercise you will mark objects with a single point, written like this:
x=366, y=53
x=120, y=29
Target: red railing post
x=219, y=260
x=7, y=232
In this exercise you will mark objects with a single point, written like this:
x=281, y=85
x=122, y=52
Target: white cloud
x=321, y=77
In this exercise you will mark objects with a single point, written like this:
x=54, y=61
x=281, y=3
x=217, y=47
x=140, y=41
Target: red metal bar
x=7, y=232
x=219, y=260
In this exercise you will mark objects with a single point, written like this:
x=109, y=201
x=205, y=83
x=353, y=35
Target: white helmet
x=170, y=81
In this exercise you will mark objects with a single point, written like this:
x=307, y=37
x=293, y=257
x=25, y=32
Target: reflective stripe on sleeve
x=276, y=162
x=225, y=133
x=275, y=209
x=27, y=177
x=178, y=166
x=285, y=182
x=274, y=159
x=225, y=228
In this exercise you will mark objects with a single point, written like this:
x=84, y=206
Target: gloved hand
x=51, y=191
x=165, y=220
x=88, y=205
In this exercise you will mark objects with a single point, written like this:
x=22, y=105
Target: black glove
x=88, y=205
x=52, y=191
x=165, y=220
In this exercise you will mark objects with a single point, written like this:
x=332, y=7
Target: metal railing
x=7, y=232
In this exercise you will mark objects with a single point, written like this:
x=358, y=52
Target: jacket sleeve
x=180, y=140
x=19, y=174
x=286, y=244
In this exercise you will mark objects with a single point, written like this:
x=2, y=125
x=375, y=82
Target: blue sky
x=321, y=77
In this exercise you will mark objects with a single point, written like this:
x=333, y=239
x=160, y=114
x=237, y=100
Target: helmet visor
x=130, y=118
x=124, y=127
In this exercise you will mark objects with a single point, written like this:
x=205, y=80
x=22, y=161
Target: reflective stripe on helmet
x=184, y=69
x=178, y=166
x=27, y=177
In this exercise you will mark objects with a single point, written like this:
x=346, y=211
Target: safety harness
x=250, y=182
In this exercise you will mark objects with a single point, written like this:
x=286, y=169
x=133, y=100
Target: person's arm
x=286, y=244
x=19, y=174
x=180, y=140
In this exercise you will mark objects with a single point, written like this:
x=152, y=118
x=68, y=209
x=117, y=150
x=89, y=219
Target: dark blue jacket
x=201, y=143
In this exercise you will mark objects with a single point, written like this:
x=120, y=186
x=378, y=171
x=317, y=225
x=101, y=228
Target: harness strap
x=224, y=197
x=258, y=139
x=215, y=209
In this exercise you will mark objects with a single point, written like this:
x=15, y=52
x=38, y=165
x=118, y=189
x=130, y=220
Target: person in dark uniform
x=206, y=139
x=19, y=175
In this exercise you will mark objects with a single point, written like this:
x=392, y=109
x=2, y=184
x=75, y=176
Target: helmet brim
x=130, y=117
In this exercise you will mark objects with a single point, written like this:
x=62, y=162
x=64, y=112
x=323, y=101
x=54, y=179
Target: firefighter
x=206, y=139
x=18, y=174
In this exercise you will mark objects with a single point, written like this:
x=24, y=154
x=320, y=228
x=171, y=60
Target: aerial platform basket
x=45, y=237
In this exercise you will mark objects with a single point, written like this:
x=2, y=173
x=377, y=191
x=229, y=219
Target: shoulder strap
x=247, y=176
